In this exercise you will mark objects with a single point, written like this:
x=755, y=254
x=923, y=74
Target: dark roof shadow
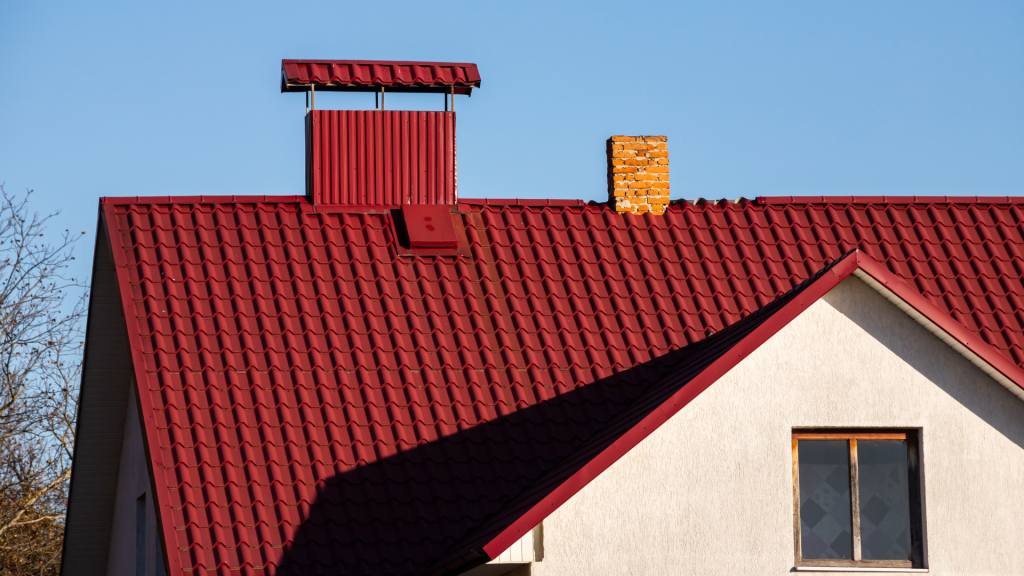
x=430, y=509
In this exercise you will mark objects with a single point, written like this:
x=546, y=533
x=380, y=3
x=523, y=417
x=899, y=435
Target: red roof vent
x=372, y=75
x=430, y=227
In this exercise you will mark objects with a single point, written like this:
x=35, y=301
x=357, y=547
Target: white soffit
x=940, y=333
x=521, y=551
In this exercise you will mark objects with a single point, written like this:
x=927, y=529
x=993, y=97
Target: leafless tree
x=41, y=314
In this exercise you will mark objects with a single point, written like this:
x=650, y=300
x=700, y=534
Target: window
x=857, y=498
x=140, y=536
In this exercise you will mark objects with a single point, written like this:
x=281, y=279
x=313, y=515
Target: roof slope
x=316, y=401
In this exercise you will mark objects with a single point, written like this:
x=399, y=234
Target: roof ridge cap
x=777, y=200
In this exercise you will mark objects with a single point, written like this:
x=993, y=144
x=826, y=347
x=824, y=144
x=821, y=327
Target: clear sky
x=756, y=98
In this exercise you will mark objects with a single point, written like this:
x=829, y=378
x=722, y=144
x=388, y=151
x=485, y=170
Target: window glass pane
x=884, y=500
x=826, y=529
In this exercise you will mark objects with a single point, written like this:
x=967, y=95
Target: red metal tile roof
x=371, y=75
x=317, y=401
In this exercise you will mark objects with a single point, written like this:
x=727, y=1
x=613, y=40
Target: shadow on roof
x=432, y=508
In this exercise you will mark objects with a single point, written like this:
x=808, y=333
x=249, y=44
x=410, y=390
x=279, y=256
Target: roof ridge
x=770, y=200
x=565, y=202
x=203, y=199
x=521, y=202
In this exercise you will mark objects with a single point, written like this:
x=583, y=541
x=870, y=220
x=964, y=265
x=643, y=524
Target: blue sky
x=756, y=98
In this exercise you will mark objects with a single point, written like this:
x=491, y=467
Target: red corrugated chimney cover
x=371, y=75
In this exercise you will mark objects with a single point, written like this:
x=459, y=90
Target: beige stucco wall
x=132, y=481
x=710, y=492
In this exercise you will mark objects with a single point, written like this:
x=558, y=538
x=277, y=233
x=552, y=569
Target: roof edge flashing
x=120, y=200
x=792, y=200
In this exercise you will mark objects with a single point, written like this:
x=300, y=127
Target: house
x=384, y=377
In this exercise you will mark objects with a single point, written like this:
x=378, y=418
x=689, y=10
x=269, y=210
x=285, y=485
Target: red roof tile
x=316, y=400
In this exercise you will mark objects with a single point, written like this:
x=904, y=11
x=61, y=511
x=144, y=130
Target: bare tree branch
x=41, y=314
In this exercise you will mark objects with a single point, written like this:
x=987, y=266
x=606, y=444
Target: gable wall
x=710, y=492
x=132, y=482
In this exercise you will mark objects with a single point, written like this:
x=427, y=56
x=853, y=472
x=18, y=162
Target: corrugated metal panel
x=368, y=157
x=371, y=75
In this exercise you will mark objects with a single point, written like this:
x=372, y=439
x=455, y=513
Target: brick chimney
x=638, y=174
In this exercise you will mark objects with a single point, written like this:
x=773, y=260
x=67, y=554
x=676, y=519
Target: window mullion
x=855, y=500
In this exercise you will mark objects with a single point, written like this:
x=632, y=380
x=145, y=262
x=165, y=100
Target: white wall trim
x=854, y=569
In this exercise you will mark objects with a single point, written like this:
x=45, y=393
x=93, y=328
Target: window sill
x=859, y=569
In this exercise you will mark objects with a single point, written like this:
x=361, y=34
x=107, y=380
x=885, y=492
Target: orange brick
x=639, y=170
